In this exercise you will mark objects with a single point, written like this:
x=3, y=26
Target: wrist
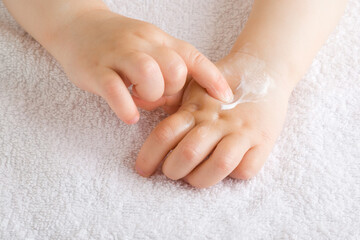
x=284, y=71
x=255, y=71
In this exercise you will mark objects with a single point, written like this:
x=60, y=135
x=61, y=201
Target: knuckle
x=204, y=128
x=225, y=164
x=239, y=125
x=190, y=153
x=197, y=57
x=144, y=63
x=163, y=133
x=175, y=80
x=190, y=107
x=147, y=67
x=187, y=117
x=110, y=88
x=150, y=32
x=194, y=55
x=179, y=71
x=150, y=28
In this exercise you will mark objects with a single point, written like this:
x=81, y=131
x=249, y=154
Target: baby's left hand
x=205, y=143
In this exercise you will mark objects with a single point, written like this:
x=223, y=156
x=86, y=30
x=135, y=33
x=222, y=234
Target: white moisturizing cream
x=254, y=82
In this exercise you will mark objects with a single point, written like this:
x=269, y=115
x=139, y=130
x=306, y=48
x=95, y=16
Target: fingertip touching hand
x=206, y=140
x=105, y=53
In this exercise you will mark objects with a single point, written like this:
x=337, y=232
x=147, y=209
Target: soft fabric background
x=66, y=161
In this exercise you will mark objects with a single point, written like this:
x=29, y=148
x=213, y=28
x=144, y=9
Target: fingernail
x=228, y=96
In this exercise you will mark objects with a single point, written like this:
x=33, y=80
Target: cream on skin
x=254, y=83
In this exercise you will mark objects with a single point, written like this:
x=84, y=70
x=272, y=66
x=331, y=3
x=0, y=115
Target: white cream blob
x=254, y=83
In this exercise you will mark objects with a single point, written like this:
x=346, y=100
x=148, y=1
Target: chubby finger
x=173, y=68
x=161, y=140
x=204, y=72
x=221, y=163
x=144, y=73
x=111, y=87
x=252, y=162
x=191, y=151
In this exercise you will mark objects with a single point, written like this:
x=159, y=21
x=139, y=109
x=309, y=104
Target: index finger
x=204, y=72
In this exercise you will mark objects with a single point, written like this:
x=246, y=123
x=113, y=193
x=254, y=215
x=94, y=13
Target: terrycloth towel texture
x=66, y=161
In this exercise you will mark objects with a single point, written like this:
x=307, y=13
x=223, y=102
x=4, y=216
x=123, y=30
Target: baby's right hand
x=104, y=53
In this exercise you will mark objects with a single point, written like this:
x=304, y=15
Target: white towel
x=66, y=161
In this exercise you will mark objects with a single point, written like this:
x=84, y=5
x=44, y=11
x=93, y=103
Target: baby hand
x=206, y=140
x=104, y=53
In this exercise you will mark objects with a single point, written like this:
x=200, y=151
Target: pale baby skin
x=206, y=140
x=209, y=136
